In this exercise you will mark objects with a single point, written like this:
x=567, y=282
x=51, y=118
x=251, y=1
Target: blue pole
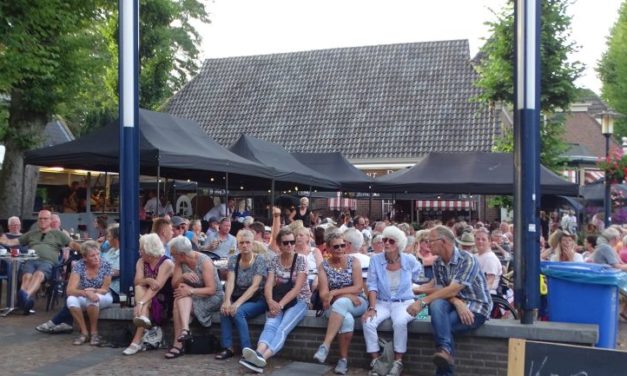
x=527, y=158
x=129, y=140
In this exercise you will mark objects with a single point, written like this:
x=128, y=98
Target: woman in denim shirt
x=389, y=286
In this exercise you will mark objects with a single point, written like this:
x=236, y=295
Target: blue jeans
x=344, y=307
x=445, y=322
x=277, y=328
x=63, y=315
x=248, y=310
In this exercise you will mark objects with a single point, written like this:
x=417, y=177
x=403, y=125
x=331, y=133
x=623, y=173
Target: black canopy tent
x=472, y=172
x=338, y=168
x=284, y=168
x=595, y=193
x=168, y=146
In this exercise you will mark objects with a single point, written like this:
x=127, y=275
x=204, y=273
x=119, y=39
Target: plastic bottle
x=131, y=297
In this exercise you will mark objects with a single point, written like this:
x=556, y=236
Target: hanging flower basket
x=614, y=166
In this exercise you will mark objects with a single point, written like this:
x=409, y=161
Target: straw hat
x=467, y=239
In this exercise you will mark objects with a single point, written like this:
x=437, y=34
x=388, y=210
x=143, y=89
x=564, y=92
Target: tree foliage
x=59, y=57
x=496, y=72
x=612, y=70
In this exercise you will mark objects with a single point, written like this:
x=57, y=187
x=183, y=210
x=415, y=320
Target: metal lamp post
x=607, y=128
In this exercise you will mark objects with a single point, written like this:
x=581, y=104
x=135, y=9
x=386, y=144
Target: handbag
x=202, y=344
x=281, y=289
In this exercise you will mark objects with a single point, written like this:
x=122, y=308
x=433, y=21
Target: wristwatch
x=372, y=309
x=140, y=303
x=422, y=303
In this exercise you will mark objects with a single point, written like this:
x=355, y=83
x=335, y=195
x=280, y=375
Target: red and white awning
x=446, y=204
x=594, y=175
x=570, y=175
x=340, y=203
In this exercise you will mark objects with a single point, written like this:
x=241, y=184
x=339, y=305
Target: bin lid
x=586, y=273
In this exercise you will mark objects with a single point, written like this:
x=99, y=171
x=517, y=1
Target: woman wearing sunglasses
x=340, y=285
x=286, y=308
x=390, y=278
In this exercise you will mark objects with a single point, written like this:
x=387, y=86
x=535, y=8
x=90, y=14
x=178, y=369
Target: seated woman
x=197, y=290
x=390, y=278
x=287, y=294
x=153, y=290
x=243, y=297
x=88, y=289
x=340, y=285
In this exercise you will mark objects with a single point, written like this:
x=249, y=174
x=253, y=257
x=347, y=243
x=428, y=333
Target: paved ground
x=29, y=353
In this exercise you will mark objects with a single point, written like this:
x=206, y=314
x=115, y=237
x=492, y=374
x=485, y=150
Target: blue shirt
x=225, y=246
x=463, y=268
x=378, y=280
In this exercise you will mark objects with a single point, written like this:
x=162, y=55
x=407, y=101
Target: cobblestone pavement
x=26, y=352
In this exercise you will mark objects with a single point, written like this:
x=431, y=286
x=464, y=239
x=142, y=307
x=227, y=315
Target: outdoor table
x=14, y=266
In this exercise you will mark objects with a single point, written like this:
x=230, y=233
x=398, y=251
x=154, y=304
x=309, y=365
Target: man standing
x=47, y=243
x=458, y=297
x=222, y=210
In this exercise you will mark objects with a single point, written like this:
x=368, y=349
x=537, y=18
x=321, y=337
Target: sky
x=253, y=27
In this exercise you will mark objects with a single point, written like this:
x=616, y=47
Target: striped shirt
x=464, y=269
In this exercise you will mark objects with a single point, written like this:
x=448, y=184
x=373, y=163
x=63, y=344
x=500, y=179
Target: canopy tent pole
x=22, y=195
x=226, y=197
x=271, y=200
x=158, y=189
x=88, y=193
x=370, y=203
x=412, y=203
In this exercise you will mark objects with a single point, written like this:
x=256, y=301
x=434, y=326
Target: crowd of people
x=348, y=272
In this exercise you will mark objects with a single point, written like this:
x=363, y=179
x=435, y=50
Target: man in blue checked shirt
x=458, y=296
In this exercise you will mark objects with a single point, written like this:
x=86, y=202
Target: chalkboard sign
x=531, y=358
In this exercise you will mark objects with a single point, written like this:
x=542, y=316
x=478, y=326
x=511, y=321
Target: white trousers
x=82, y=302
x=400, y=318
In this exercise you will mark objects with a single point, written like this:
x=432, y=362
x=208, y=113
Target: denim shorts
x=30, y=267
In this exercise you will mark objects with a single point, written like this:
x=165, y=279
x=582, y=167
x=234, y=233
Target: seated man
x=458, y=296
x=15, y=231
x=47, y=243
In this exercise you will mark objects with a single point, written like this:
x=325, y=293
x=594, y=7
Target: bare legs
x=92, y=313
x=32, y=282
x=181, y=312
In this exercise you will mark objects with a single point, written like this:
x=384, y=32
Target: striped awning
x=590, y=175
x=340, y=203
x=446, y=204
x=570, y=175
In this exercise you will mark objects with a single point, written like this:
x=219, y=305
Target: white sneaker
x=397, y=368
x=143, y=322
x=252, y=356
x=63, y=328
x=45, y=327
x=321, y=354
x=132, y=349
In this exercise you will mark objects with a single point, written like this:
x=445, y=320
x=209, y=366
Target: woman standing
x=243, y=298
x=340, y=285
x=302, y=213
x=153, y=290
x=287, y=294
x=390, y=279
x=88, y=290
x=197, y=290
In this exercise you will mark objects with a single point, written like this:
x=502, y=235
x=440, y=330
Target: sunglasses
x=288, y=242
x=389, y=240
x=338, y=246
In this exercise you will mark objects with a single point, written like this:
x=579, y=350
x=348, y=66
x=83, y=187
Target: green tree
x=496, y=73
x=612, y=70
x=59, y=57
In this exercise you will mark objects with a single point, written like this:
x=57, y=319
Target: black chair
x=4, y=276
x=57, y=284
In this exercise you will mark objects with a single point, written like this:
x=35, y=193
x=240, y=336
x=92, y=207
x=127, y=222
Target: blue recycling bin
x=585, y=293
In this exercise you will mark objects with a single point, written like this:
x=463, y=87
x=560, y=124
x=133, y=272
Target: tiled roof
x=581, y=128
x=374, y=102
x=56, y=133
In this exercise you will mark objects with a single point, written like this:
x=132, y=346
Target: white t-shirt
x=577, y=258
x=364, y=260
x=490, y=264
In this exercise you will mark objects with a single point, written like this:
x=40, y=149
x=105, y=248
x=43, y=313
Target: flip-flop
x=174, y=353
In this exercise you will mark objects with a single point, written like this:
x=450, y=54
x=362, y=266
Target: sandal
x=95, y=340
x=80, y=339
x=174, y=352
x=185, y=336
x=224, y=354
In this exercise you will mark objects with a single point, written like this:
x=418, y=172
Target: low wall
x=481, y=352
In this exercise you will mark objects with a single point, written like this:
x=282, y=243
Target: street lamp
x=607, y=128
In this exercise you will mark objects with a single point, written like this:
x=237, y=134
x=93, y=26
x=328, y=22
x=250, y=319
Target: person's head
x=304, y=202
x=504, y=227
x=90, y=251
x=482, y=240
x=407, y=229
x=267, y=234
x=113, y=235
x=302, y=236
x=102, y=222
x=497, y=236
x=55, y=222
x=224, y=225
x=257, y=228
x=611, y=235
x=567, y=240
x=442, y=242
x=394, y=239
x=335, y=243
x=163, y=228
x=150, y=245
x=180, y=248
x=214, y=223
x=379, y=227
x=359, y=222
x=43, y=220
x=409, y=248
x=231, y=202
x=245, y=239
x=248, y=220
x=319, y=235
x=354, y=240
x=591, y=243
x=178, y=226
x=422, y=240
x=196, y=225
x=286, y=240
x=14, y=225
x=377, y=243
